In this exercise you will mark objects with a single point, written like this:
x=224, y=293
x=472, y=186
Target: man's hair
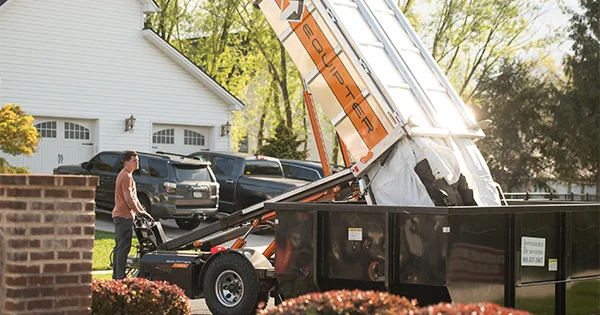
x=128, y=154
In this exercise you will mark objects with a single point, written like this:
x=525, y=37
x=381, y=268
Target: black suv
x=169, y=186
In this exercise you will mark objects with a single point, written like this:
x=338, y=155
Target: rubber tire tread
x=185, y=225
x=241, y=265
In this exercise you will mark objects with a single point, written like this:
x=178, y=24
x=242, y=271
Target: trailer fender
x=264, y=268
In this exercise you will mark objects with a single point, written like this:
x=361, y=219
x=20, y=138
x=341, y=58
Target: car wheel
x=188, y=224
x=231, y=286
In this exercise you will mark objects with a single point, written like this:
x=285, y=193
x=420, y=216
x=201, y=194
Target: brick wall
x=46, y=240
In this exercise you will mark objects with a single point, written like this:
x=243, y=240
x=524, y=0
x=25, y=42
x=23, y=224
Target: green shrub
x=138, y=296
x=343, y=302
x=358, y=302
x=471, y=309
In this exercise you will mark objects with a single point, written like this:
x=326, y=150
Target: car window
x=190, y=172
x=105, y=161
x=299, y=172
x=156, y=168
x=222, y=165
x=262, y=168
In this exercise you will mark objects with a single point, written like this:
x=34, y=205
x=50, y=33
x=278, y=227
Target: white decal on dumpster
x=533, y=251
x=355, y=234
x=552, y=264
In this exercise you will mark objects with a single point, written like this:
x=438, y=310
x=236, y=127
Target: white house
x=81, y=68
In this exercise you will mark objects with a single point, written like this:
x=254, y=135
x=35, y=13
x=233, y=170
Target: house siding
x=89, y=60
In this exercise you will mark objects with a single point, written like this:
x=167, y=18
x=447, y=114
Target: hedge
x=138, y=296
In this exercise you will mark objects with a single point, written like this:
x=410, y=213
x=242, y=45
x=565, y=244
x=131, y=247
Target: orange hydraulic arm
x=345, y=154
x=316, y=127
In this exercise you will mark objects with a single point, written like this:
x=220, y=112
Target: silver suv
x=169, y=186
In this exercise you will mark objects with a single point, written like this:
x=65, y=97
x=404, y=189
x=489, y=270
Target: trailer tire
x=230, y=285
x=188, y=224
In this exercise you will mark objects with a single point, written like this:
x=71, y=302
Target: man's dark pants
x=123, y=228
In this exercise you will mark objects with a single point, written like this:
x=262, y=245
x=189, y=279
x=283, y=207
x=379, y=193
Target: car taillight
x=170, y=188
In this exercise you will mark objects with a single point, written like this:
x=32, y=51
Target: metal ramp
x=242, y=218
x=377, y=84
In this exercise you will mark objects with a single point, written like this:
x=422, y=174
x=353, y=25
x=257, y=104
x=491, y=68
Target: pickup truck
x=246, y=179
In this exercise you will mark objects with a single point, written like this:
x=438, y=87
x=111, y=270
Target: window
x=158, y=168
x=191, y=137
x=300, y=172
x=47, y=129
x=165, y=136
x=263, y=167
x=75, y=131
x=222, y=165
x=106, y=161
x=190, y=172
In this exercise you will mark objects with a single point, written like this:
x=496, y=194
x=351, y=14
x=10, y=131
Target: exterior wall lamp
x=129, y=123
x=225, y=129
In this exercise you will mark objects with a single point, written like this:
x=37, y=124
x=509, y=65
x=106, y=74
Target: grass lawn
x=104, y=242
x=102, y=276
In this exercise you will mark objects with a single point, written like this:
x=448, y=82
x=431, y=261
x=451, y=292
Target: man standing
x=126, y=204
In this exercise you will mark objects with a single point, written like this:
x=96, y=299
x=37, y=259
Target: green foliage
x=17, y=136
x=17, y=133
x=344, y=302
x=469, y=39
x=6, y=168
x=356, y=302
x=132, y=296
x=517, y=102
x=284, y=144
x=471, y=309
x=576, y=123
x=234, y=44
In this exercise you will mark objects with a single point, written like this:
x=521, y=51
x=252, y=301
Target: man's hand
x=146, y=216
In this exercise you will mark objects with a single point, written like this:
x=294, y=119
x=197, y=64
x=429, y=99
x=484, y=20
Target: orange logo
x=337, y=76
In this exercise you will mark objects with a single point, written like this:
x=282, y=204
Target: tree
x=17, y=136
x=234, y=44
x=469, y=39
x=576, y=119
x=517, y=101
x=283, y=144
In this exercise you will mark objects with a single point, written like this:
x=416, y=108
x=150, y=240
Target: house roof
x=147, y=5
x=194, y=70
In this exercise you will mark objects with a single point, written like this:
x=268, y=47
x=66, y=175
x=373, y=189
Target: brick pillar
x=46, y=240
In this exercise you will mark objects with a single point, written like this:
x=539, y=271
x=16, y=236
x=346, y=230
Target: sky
x=554, y=16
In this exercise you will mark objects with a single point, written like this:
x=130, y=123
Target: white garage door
x=179, y=139
x=62, y=141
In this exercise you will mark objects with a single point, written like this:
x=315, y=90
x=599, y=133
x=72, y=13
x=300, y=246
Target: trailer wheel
x=231, y=286
x=188, y=224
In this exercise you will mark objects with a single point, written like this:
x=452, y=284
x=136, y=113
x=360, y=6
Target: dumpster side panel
x=476, y=258
x=583, y=297
x=295, y=250
x=422, y=253
x=538, y=299
x=356, y=246
x=583, y=293
x=538, y=251
x=585, y=240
